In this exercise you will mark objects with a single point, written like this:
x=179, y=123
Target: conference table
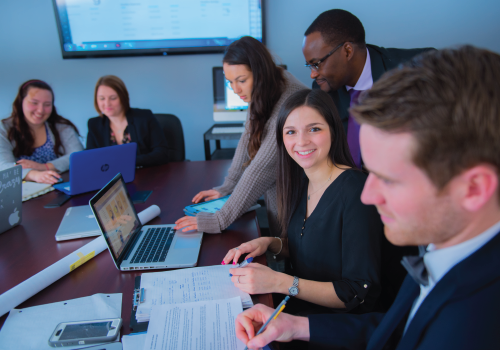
x=31, y=247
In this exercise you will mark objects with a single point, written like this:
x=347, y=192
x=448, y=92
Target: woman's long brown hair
x=268, y=84
x=20, y=131
x=289, y=183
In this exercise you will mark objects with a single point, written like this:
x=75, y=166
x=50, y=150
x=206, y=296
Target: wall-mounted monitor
x=103, y=28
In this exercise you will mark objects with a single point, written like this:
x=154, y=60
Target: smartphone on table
x=85, y=332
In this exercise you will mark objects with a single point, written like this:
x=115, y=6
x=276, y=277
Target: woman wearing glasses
x=256, y=78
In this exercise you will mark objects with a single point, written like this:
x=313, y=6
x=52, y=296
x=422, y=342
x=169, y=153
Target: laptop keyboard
x=155, y=245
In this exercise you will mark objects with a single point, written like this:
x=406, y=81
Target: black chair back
x=172, y=129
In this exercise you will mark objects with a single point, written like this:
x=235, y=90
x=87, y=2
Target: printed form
x=203, y=325
x=188, y=285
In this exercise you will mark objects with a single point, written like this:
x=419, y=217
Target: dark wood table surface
x=31, y=247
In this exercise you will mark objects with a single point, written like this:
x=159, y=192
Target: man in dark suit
x=343, y=65
x=429, y=136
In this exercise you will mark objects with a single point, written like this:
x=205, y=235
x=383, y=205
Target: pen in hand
x=243, y=264
x=275, y=314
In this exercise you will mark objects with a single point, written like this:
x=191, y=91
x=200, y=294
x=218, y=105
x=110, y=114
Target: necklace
x=320, y=187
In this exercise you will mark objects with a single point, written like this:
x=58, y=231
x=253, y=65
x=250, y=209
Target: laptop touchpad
x=187, y=241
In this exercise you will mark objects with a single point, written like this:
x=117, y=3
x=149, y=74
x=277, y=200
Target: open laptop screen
x=117, y=217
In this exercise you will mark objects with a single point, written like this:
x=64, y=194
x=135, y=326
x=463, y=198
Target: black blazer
x=461, y=312
x=382, y=60
x=144, y=130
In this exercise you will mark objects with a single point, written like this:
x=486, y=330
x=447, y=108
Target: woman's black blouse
x=340, y=243
x=152, y=148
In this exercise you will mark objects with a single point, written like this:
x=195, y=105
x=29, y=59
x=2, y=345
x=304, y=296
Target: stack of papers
x=199, y=325
x=186, y=286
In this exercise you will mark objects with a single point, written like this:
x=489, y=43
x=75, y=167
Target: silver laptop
x=78, y=222
x=11, y=197
x=137, y=247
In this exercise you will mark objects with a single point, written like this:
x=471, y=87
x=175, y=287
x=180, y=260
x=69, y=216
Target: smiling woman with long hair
x=256, y=78
x=330, y=237
x=35, y=136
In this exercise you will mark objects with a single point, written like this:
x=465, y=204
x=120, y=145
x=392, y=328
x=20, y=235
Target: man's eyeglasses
x=315, y=66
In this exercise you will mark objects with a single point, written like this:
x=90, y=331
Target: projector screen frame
x=145, y=52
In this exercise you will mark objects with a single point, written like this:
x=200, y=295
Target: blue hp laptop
x=90, y=170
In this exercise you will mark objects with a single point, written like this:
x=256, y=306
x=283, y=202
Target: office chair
x=172, y=128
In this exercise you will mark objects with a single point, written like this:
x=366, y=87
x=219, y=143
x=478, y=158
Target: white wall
x=182, y=85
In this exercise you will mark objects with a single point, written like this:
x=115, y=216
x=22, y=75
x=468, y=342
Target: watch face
x=293, y=291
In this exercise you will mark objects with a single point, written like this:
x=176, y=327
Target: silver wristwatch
x=294, y=289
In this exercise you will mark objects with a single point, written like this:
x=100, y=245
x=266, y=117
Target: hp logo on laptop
x=104, y=168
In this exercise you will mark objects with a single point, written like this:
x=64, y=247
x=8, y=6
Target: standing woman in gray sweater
x=254, y=76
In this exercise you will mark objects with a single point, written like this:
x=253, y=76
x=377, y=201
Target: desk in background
x=29, y=248
x=220, y=153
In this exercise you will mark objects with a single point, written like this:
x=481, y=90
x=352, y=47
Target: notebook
x=136, y=247
x=34, y=189
x=77, y=222
x=90, y=170
x=10, y=197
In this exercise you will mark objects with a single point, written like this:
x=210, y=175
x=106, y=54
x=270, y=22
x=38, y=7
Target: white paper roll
x=148, y=214
x=25, y=290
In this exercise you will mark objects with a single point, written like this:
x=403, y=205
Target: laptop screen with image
x=117, y=217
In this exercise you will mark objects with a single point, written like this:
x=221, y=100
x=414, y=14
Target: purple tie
x=353, y=131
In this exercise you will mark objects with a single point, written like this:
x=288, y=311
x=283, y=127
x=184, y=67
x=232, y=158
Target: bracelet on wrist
x=47, y=166
x=278, y=253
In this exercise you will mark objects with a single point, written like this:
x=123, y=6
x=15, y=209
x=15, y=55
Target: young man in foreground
x=430, y=139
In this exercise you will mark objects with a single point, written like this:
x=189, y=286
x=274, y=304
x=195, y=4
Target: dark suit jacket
x=144, y=130
x=382, y=60
x=461, y=312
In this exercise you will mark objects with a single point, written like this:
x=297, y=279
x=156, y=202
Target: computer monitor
x=228, y=106
x=104, y=28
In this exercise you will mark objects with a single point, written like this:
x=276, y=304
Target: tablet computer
x=208, y=207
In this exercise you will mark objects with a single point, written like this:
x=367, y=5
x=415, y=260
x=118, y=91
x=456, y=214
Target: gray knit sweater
x=69, y=139
x=246, y=185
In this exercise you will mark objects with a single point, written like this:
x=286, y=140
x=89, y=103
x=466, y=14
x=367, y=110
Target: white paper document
x=188, y=285
x=31, y=328
x=134, y=341
x=192, y=326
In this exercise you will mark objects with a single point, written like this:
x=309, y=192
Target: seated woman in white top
x=35, y=136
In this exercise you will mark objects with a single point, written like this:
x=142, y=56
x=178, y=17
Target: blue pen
x=243, y=264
